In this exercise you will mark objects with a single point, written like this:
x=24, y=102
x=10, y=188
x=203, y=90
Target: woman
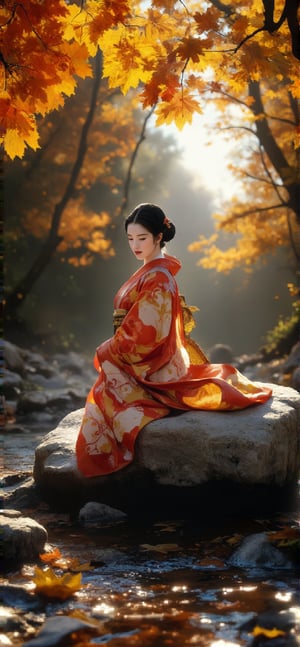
x=149, y=367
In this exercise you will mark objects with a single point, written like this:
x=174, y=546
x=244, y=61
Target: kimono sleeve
x=143, y=339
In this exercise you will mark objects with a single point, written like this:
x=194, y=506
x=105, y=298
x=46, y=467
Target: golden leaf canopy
x=173, y=52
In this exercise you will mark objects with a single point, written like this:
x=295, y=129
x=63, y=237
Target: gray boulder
x=187, y=463
x=22, y=538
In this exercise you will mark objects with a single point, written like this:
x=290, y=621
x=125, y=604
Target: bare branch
x=226, y=9
x=251, y=212
x=267, y=171
x=289, y=13
x=127, y=182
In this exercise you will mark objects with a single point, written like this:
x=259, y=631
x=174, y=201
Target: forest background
x=91, y=94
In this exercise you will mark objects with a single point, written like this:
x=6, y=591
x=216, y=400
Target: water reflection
x=150, y=593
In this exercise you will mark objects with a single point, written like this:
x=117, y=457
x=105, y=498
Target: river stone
x=193, y=462
x=22, y=538
x=256, y=551
x=13, y=357
x=98, y=514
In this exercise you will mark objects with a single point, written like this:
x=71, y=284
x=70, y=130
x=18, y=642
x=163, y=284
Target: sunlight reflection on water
x=185, y=597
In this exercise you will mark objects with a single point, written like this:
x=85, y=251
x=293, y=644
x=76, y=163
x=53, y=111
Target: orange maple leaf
x=109, y=14
x=207, y=21
x=163, y=84
x=50, y=557
x=190, y=48
x=180, y=110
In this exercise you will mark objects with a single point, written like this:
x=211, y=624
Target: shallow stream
x=167, y=583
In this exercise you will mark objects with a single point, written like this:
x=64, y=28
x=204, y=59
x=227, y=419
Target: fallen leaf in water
x=73, y=564
x=55, y=558
x=269, y=633
x=51, y=556
x=54, y=586
x=160, y=548
x=285, y=537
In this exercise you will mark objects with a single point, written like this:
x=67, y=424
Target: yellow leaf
x=269, y=633
x=14, y=144
x=55, y=586
x=123, y=64
x=78, y=59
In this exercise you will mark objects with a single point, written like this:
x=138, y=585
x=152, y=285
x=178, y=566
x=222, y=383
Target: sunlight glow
x=296, y=612
x=206, y=153
x=223, y=643
x=141, y=592
x=106, y=609
x=283, y=597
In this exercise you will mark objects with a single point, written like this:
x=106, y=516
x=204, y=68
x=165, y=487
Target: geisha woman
x=150, y=367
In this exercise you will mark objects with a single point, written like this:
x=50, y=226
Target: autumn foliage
x=174, y=58
x=173, y=52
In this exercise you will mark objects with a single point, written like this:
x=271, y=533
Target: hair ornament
x=167, y=222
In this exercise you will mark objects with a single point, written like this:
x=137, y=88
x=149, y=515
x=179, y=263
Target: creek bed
x=160, y=584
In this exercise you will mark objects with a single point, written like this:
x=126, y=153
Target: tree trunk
x=272, y=149
x=48, y=249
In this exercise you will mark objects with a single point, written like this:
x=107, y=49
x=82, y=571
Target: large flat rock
x=236, y=461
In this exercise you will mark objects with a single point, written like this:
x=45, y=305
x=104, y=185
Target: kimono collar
x=169, y=262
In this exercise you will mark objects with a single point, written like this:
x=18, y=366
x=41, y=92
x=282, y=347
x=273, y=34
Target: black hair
x=154, y=220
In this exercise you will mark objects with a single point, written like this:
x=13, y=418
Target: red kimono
x=145, y=371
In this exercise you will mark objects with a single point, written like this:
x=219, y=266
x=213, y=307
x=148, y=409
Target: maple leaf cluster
x=171, y=51
x=37, y=70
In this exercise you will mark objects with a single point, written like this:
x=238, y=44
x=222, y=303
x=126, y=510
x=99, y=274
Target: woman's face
x=142, y=243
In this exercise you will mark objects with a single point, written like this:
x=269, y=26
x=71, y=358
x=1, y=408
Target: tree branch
x=128, y=178
x=271, y=147
x=251, y=212
x=292, y=239
x=289, y=13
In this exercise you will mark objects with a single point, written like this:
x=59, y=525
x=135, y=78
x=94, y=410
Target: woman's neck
x=159, y=255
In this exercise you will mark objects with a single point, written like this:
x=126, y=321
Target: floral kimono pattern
x=145, y=372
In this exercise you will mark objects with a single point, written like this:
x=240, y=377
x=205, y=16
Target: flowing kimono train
x=145, y=372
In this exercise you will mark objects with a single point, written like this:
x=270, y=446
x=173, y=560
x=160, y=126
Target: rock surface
x=256, y=551
x=230, y=459
x=22, y=538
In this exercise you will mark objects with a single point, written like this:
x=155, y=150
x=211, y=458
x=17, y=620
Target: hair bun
x=169, y=230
